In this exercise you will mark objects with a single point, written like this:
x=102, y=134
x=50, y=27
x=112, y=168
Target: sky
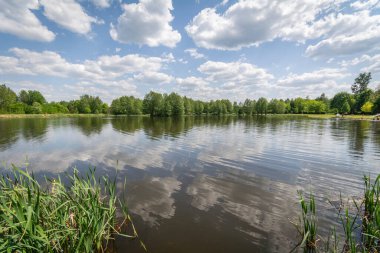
x=204, y=49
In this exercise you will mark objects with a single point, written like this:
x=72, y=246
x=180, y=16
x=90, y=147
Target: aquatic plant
x=81, y=216
x=359, y=220
x=307, y=226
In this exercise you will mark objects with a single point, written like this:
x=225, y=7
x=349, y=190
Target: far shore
x=57, y=115
x=312, y=116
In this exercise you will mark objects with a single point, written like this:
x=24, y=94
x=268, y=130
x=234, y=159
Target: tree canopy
x=361, y=100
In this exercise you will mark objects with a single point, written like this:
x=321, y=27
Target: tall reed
x=81, y=216
x=360, y=223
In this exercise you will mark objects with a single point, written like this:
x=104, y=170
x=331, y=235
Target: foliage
x=342, y=101
x=30, y=97
x=77, y=218
x=367, y=107
x=376, y=105
x=361, y=83
x=157, y=104
x=152, y=103
x=126, y=105
x=7, y=98
x=359, y=218
x=262, y=106
x=307, y=226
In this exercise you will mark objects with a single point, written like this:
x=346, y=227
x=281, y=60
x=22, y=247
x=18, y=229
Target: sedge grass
x=81, y=216
x=360, y=223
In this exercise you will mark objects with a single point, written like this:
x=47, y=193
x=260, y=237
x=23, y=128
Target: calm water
x=206, y=184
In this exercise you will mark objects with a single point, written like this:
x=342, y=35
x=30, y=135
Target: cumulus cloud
x=347, y=34
x=18, y=19
x=192, y=83
x=366, y=4
x=250, y=23
x=315, y=77
x=234, y=73
x=193, y=52
x=102, y=3
x=369, y=63
x=146, y=23
x=69, y=15
x=153, y=78
x=106, y=67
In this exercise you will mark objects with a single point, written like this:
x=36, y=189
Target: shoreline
x=311, y=116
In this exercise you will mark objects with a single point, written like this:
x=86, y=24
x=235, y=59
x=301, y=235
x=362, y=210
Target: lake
x=206, y=184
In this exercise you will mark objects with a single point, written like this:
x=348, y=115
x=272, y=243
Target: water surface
x=206, y=184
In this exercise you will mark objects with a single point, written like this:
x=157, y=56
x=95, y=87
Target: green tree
x=177, y=105
x=7, y=98
x=340, y=99
x=345, y=108
x=367, y=107
x=152, y=103
x=376, y=105
x=362, y=98
x=262, y=106
x=299, y=105
x=31, y=96
x=361, y=82
x=277, y=106
x=126, y=105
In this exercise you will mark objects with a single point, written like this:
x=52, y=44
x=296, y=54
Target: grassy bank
x=312, y=116
x=330, y=116
x=58, y=115
x=84, y=216
x=359, y=220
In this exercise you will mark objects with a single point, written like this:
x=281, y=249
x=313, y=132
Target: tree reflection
x=89, y=125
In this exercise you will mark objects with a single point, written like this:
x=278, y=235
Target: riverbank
x=312, y=116
x=58, y=115
x=84, y=215
x=332, y=116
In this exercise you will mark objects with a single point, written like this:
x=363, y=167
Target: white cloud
x=366, y=4
x=192, y=83
x=310, y=78
x=369, y=63
x=248, y=23
x=153, y=78
x=236, y=73
x=194, y=53
x=347, y=34
x=68, y=14
x=106, y=67
x=18, y=19
x=146, y=23
x=102, y=3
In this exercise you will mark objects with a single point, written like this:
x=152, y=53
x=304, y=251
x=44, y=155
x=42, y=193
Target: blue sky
x=202, y=49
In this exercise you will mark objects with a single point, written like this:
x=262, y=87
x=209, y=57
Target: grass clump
x=359, y=220
x=307, y=226
x=81, y=216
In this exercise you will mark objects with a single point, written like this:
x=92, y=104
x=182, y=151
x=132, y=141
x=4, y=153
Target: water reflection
x=227, y=183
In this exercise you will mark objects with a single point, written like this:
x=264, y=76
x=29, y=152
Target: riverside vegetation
x=84, y=216
x=362, y=100
x=359, y=220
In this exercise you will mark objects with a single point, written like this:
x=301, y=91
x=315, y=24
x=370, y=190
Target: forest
x=362, y=100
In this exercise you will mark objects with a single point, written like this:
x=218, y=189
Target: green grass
x=307, y=226
x=83, y=216
x=56, y=115
x=359, y=221
x=330, y=116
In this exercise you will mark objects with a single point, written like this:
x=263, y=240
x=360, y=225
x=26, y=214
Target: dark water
x=206, y=184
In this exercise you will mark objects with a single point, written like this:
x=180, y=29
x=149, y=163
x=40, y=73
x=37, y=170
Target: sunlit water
x=206, y=184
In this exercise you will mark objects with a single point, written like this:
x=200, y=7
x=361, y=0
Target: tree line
x=361, y=100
